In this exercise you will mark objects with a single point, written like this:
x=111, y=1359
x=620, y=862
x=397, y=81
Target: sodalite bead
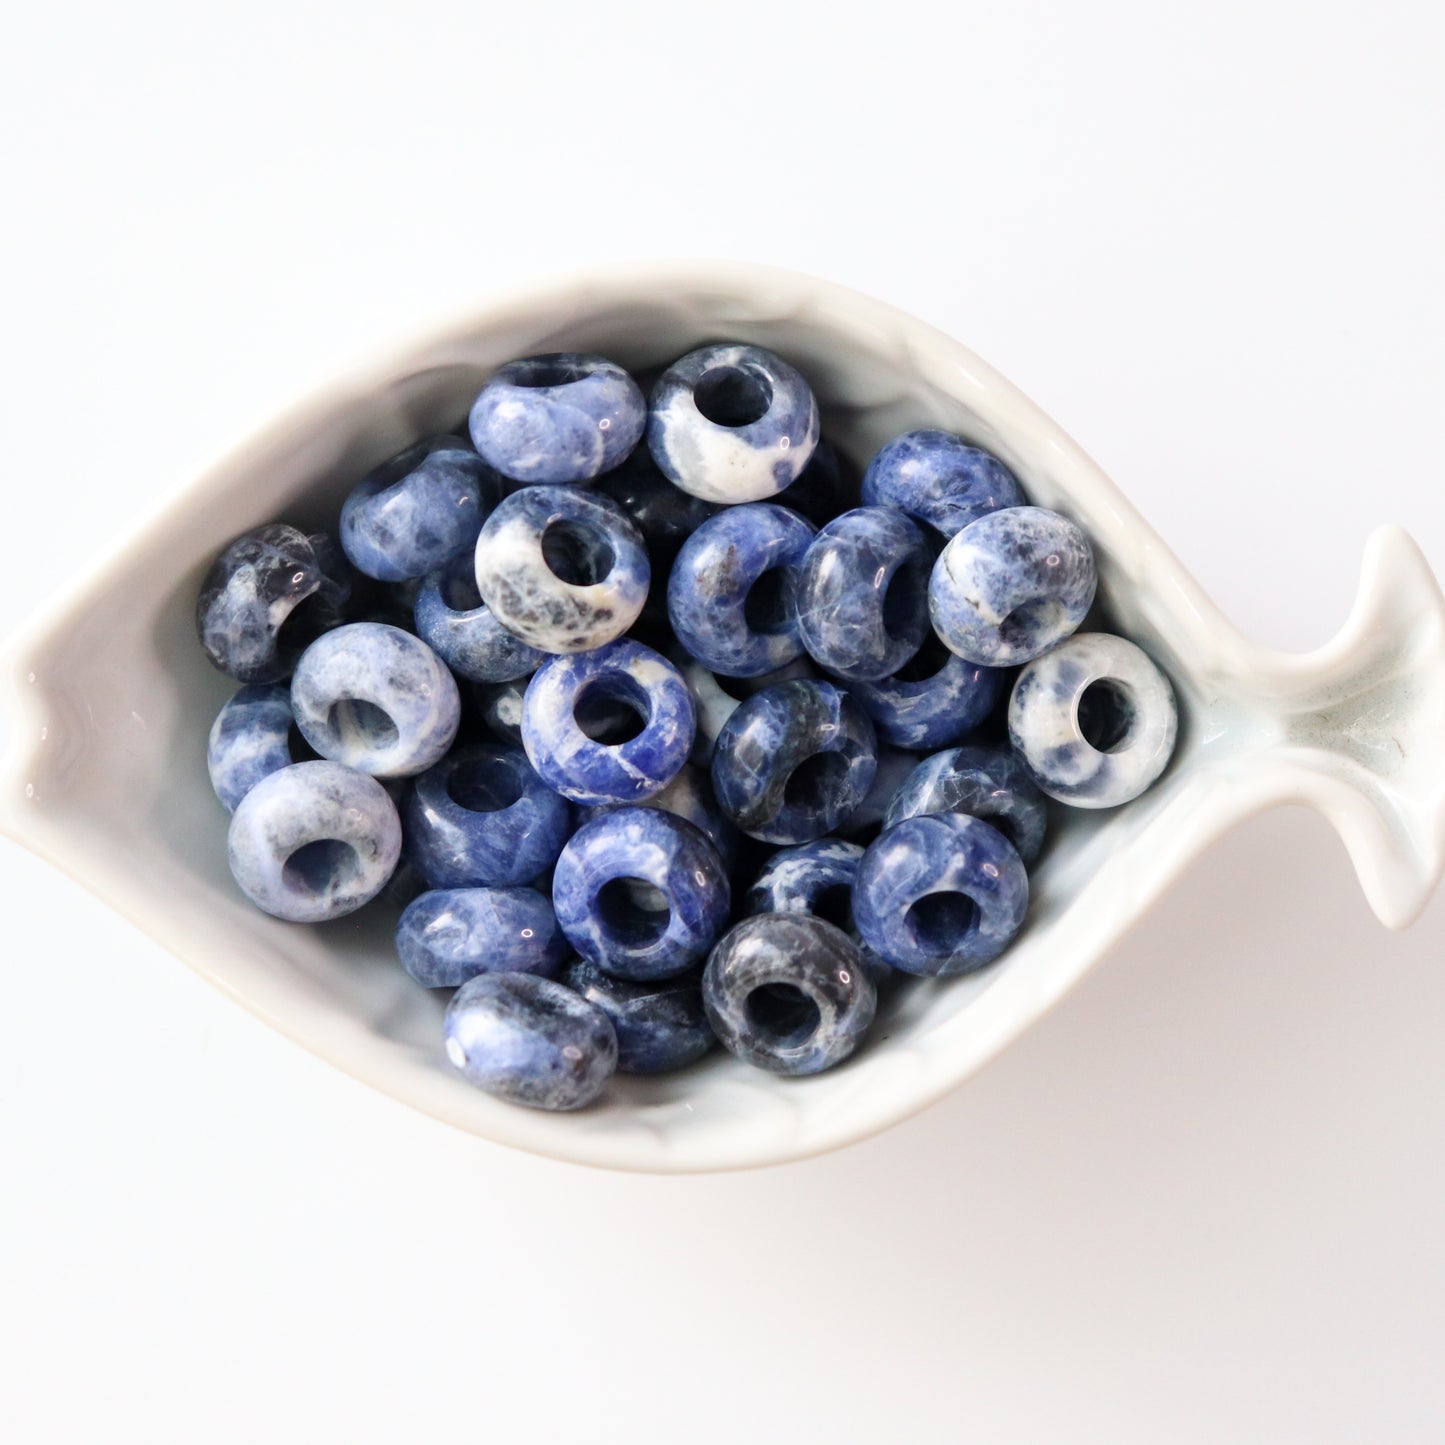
x=562, y=569
x=940, y=479
x=789, y=993
x=314, y=841
x=530, y=1041
x=731, y=596
x=933, y=700
x=664, y=514
x=660, y=1026
x=985, y=782
x=588, y=771
x=641, y=893
x=793, y=761
x=459, y=627
x=718, y=698
x=377, y=699
x=250, y=739
x=863, y=593
x=940, y=895
x=267, y=597
x=449, y=935
x=732, y=423
x=414, y=511
x=1094, y=721
x=482, y=817
x=1011, y=585
x=689, y=795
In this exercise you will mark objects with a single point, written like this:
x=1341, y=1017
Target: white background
x=1205, y=1199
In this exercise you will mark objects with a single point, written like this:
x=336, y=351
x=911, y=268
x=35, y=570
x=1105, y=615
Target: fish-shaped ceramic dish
x=109, y=700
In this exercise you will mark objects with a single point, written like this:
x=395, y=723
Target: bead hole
x=938, y=922
x=765, y=608
x=550, y=371
x=926, y=663
x=834, y=904
x=905, y=601
x=361, y=726
x=784, y=1013
x=816, y=782
x=632, y=911
x=1106, y=715
x=576, y=554
x=731, y=396
x=305, y=622
x=612, y=710
x=1021, y=627
x=326, y=866
x=484, y=785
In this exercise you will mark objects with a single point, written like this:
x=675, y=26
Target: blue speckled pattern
x=940, y=895
x=377, y=699
x=1011, y=585
x=661, y=1026
x=689, y=795
x=732, y=423
x=788, y=992
x=459, y=627
x=314, y=841
x=940, y=479
x=933, y=701
x=249, y=741
x=449, y=935
x=1094, y=721
x=530, y=1041
x=558, y=418
x=629, y=931
x=719, y=614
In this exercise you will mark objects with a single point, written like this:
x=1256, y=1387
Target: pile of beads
x=657, y=737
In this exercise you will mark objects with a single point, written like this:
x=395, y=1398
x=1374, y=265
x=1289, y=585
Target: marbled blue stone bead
x=933, y=701
x=664, y=514
x=862, y=593
x=530, y=1041
x=249, y=740
x=793, y=761
x=940, y=479
x=731, y=596
x=424, y=505
x=562, y=569
x=1011, y=585
x=661, y=1025
x=377, y=699
x=732, y=423
x=641, y=893
x=459, y=627
x=788, y=992
x=689, y=795
x=1094, y=720
x=984, y=782
x=940, y=895
x=718, y=698
x=556, y=712
x=267, y=597
x=449, y=935
x=313, y=841
x=562, y=418
x=483, y=818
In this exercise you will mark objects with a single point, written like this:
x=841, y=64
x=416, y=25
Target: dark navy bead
x=483, y=818
x=934, y=700
x=664, y=514
x=820, y=492
x=660, y=1026
x=793, y=761
x=940, y=479
x=250, y=739
x=267, y=597
x=731, y=596
x=641, y=893
x=689, y=795
x=449, y=935
x=459, y=627
x=558, y=418
x=863, y=593
x=940, y=895
x=789, y=993
x=988, y=783
x=530, y=1041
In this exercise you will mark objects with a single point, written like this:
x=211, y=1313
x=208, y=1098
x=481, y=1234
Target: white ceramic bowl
x=110, y=699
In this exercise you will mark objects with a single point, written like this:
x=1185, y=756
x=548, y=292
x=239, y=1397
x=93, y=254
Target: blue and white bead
x=664, y=514
x=1011, y=585
x=933, y=701
x=460, y=628
x=588, y=771
x=732, y=423
x=601, y=575
x=940, y=895
x=661, y=1026
x=250, y=739
x=449, y=935
x=641, y=893
x=377, y=699
x=562, y=418
x=1094, y=721
x=313, y=841
x=716, y=703
x=689, y=795
x=732, y=593
x=530, y=1041
x=940, y=479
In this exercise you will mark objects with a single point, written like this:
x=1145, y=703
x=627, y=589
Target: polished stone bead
x=449, y=935
x=1011, y=585
x=530, y=1041
x=377, y=699
x=561, y=418
x=731, y=596
x=1094, y=721
x=732, y=423
x=459, y=627
x=940, y=479
x=250, y=739
x=717, y=698
x=313, y=841
x=788, y=992
x=664, y=514
x=933, y=701
x=689, y=795
x=661, y=1025
x=641, y=893
x=940, y=895
x=267, y=597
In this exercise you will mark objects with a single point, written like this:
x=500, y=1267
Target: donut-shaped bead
x=250, y=739
x=716, y=703
x=664, y=514
x=660, y=1026
x=934, y=700
x=689, y=795
x=449, y=935
x=940, y=479
x=462, y=630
